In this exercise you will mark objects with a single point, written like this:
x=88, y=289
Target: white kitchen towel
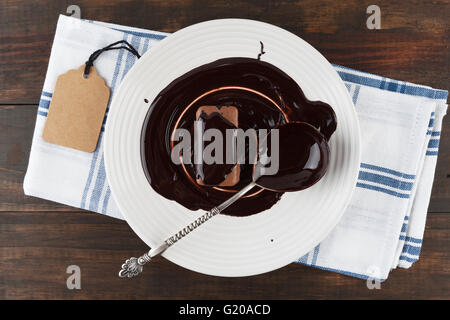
x=400, y=126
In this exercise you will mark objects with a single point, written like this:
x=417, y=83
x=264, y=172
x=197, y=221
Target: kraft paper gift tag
x=77, y=110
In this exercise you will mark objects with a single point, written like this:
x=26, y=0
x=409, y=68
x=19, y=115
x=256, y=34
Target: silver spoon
x=303, y=160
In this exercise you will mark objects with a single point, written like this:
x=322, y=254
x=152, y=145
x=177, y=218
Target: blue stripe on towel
x=386, y=170
x=433, y=133
x=106, y=200
x=431, y=153
x=98, y=187
x=359, y=80
x=356, y=94
x=412, y=250
x=403, y=86
x=89, y=179
x=304, y=259
x=404, y=227
x=393, y=86
x=315, y=255
x=45, y=104
x=348, y=86
x=411, y=246
x=372, y=81
x=384, y=190
x=433, y=143
x=405, y=258
x=382, y=83
x=411, y=239
x=387, y=181
x=143, y=34
x=383, y=180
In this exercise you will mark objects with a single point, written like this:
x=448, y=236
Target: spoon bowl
x=303, y=158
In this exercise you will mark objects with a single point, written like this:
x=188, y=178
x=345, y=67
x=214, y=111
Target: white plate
x=230, y=246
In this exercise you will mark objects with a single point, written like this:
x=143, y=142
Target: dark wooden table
x=39, y=239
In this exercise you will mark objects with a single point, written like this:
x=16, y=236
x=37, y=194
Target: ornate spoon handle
x=133, y=266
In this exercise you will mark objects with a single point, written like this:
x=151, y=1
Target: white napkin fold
x=400, y=125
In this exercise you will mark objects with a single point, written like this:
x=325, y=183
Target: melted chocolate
x=214, y=174
x=265, y=97
x=303, y=158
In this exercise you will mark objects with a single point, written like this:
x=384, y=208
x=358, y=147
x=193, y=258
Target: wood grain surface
x=39, y=239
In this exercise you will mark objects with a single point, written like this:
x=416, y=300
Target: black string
x=98, y=52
